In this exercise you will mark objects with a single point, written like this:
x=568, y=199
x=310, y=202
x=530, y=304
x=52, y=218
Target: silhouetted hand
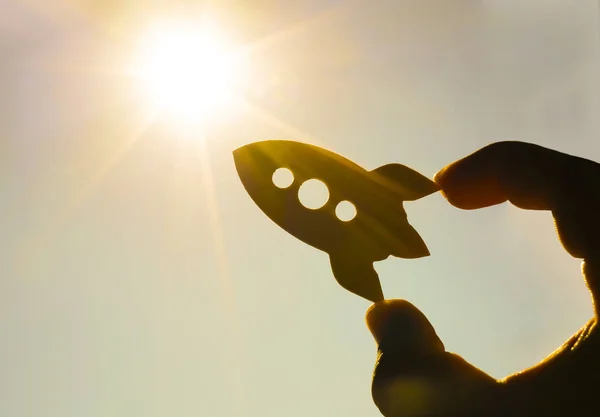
x=415, y=376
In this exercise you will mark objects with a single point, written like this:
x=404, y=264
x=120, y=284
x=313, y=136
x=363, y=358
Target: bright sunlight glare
x=188, y=73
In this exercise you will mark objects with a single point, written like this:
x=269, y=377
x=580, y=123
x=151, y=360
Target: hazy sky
x=139, y=279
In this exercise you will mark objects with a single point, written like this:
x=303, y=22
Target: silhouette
x=414, y=374
x=380, y=227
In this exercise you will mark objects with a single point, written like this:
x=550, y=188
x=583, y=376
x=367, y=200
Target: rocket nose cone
x=250, y=163
x=241, y=154
x=399, y=325
x=256, y=156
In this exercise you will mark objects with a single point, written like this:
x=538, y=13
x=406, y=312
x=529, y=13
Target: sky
x=138, y=277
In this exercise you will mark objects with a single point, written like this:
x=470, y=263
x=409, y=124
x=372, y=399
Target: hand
x=415, y=376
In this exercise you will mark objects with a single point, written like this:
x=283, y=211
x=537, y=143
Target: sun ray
x=223, y=272
x=215, y=222
x=296, y=29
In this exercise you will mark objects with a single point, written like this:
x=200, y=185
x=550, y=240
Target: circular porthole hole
x=283, y=178
x=345, y=211
x=313, y=194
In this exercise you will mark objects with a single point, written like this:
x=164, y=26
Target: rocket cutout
x=380, y=227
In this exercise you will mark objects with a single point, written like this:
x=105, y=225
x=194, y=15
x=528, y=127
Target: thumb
x=414, y=374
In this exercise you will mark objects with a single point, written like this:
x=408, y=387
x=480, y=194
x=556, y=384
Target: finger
x=534, y=177
x=401, y=326
x=414, y=374
x=527, y=175
x=565, y=381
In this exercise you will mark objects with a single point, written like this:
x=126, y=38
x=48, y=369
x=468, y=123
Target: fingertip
x=468, y=187
x=379, y=314
x=438, y=177
x=399, y=323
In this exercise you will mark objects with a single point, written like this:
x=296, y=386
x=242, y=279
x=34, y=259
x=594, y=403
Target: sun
x=188, y=72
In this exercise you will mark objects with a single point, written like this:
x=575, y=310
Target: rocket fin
x=408, y=182
x=411, y=244
x=357, y=275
